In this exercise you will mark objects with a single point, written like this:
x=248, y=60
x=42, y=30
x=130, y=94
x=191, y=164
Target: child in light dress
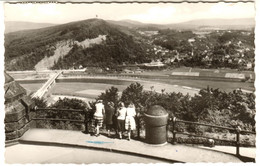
x=130, y=124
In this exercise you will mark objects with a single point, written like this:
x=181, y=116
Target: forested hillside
x=24, y=49
x=99, y=43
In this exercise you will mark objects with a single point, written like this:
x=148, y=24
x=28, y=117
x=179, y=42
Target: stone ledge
x=17, y=133
x=14, y=116
x=13, y=126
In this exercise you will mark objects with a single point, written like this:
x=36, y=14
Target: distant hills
x=243, y=23
x=13, y=26
x=221, y=22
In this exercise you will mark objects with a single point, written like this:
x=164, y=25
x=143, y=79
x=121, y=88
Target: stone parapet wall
x=17, y=133
x=18, y=119
x=15, y=129
x=13, y=126
x=18, y=109
x=14, y=113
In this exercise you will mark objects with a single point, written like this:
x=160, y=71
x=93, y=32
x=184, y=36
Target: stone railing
x=18, y=118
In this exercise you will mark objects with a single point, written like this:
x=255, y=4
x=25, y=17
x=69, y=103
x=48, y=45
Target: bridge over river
x=57, y=140
x=47, y=85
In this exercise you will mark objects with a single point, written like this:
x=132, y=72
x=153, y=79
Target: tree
x=133, y=93
x=40, y=102
x=110, y=95
x=67, y=103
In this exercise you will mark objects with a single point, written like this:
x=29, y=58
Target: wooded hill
x=24, y=49
x=124, y=44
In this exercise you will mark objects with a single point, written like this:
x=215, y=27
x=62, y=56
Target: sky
x=160, y=13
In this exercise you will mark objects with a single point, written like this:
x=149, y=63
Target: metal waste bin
x=156, y=125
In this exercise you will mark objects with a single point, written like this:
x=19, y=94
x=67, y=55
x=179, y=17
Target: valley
x=147, y=79
x=110, y=44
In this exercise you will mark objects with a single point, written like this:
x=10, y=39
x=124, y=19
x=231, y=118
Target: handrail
x=85, y=119
x=237, y=130
x=215, y=126
x=58, y=109
x=249, y=132
x=203, y=124
x=194, y=135
x=173, y=121
x=57, y=119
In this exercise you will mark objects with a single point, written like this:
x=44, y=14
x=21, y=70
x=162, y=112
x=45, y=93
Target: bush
x=40, y=102
x=211, y=106
x=110, y=95
x=134, y=93
x=67, y=103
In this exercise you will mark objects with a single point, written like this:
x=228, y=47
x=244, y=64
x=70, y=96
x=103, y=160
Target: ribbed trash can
x=156, y=125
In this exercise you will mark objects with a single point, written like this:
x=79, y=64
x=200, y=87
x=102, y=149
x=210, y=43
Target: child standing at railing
x=110, y=111
x=121, y=113
x=98, y=116
x=130, y=124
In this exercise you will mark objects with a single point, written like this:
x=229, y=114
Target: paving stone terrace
x=168, y=152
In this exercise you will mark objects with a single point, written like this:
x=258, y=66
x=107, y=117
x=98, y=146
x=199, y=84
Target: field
x=92, y=87
x=189, y=69
x=83, y=85
x=222, y=85
x=197, y=82
x=92, y=90
x=30, y=75
x=32, y=87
